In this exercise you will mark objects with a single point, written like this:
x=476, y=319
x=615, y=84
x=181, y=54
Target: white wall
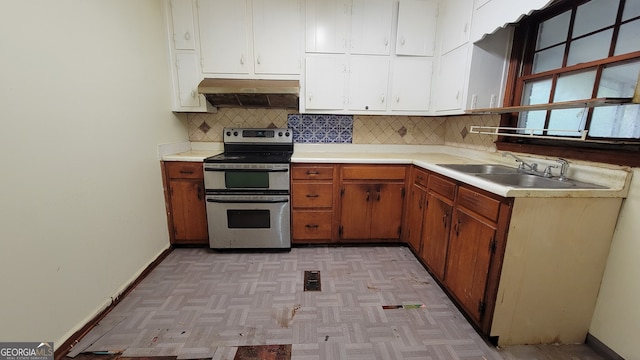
x=84, y=102
x=616, y=321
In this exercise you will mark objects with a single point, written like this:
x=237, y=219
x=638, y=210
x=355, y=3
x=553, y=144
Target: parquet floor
x=200, y=304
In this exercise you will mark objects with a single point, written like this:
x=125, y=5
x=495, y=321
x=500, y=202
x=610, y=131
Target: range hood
x=251, y=93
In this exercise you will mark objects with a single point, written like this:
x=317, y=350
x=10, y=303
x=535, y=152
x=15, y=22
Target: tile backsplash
x=357, y=129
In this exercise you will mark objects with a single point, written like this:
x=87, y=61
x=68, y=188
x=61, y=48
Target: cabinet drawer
x=481, y=204
x=420, y=177
x=442, y=186
x=310, y=225
x=184, y=170
x=312, y=172
x=373, y=172
x=309, y=195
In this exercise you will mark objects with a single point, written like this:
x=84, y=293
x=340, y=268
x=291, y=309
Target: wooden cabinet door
x=415, y=211
x=435, y=236
x=386, y=210
x=189, y=211
x=470, y=250
x=355, y=217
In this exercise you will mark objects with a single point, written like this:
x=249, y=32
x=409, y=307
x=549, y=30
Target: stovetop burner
x=258, y=158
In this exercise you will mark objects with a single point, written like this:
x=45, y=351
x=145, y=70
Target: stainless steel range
x=247, y=190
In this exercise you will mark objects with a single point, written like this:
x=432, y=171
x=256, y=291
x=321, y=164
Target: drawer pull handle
x=368, y=195
x=186, y=172
x=312, y=195
x=313, y=172
x=311, y=226
x=444, y=219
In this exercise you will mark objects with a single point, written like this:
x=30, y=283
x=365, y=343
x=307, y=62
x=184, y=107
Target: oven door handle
x=248, y=170
x=222, y=201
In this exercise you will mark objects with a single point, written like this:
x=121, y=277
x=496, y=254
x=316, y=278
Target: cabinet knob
x=397, y=99
x=241, y=59
x=402, y=40
x=187, y=36
x=258, y=60
x=386, y=42
x=382, y=99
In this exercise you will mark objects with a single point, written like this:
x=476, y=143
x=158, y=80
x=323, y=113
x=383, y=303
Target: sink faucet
x=564, y=167
x=523, y=165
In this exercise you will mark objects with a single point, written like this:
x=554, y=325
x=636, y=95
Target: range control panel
x=240, y=135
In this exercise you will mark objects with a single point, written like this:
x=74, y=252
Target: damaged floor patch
x=266, y=352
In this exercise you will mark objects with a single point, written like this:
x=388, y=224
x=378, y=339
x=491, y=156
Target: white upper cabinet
x=371, y=27
x=346, y=84
x=183, y=50
x=368, y=79
x=454, y=24
x=246, y=37
x=326, y=26
x=411, y=84
x=472, y=75
x=224, y=39
x=184, y=33
x=349, y=26
x=277, y=43
x=325, y=82
x=417, y=21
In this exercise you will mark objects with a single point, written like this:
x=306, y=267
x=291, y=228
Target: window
x=577, y=50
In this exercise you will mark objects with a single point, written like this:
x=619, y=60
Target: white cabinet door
x=417, y=20
x=188, y=80
x=448, y=89
x=368, y=79
x=411, y=84
x=326, y=26
x=224, y=41
x=325, y=82
x=277, y=39
x=183, y=27
x=371, y=26
x=454, y=24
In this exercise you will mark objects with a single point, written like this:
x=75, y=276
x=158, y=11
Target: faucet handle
x=547, y=171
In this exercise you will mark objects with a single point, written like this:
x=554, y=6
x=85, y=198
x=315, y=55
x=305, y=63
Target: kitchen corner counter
x=615, y=178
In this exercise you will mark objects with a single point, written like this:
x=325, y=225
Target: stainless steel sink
x=535, y=181
x=481, y=168
x=509, y=176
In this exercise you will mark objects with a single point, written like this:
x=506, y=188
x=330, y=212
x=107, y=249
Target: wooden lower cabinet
x=371, y=202
x=435, y=236
x=415, y=208
x=186, y=206
x=312, y=201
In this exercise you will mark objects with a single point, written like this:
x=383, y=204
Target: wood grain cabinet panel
x=185, y=202
x=371, y=202
x=312, y=199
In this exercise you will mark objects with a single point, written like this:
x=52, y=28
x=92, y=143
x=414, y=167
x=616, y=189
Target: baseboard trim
x=66, y=346
x=601, y=349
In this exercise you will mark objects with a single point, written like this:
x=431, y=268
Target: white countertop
x=616, y=178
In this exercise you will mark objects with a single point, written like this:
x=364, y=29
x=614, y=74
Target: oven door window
x=248, y=219
x=246, y=179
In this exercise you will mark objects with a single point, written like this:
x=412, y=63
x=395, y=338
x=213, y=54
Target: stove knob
x=280, y=133
x=235, y=133
x=287, y=134
x=228, y=133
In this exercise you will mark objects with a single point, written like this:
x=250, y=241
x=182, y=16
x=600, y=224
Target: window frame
x=626, y=152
